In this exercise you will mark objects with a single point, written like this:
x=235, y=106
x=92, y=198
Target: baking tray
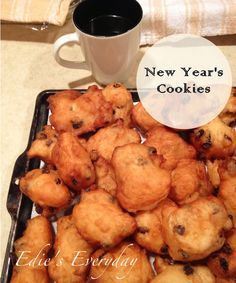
x=18, y=205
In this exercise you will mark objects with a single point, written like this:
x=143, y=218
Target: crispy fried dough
x=100, y=220
x=29, y=275
x=180, y=273
x=212, y=170
x=169, y=144
x=73, y=162
x=40, y=226
x=189, y=180
x=149, y=231
x=223, y=262
x=214, y=140
x=80, y=114
x=107, y=139
x=194, y=231
x=223, y=280
x=35, y=244
x=105, y=176
x=141, y=182
x=44, y=187
x=142, y=119
x=126, y=263
x=70, y=249
x=43, y=144
x=228, y=115
x=227, y=192
x=121, y=101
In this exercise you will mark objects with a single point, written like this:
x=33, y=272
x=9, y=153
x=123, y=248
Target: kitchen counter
x=28, y=67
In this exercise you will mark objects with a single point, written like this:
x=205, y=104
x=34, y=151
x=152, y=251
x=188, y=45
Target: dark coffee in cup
x=108, y=25
x=107, y=17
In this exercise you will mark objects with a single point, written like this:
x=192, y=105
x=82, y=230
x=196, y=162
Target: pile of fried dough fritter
x=124, y=189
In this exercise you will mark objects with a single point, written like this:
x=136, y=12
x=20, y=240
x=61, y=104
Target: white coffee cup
x=109, y=35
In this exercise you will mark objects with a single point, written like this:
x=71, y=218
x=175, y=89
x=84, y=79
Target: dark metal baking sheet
x=18, y=205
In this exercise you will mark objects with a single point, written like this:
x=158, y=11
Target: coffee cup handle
x=59, y=43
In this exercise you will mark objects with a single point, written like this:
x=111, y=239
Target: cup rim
x=101, y=37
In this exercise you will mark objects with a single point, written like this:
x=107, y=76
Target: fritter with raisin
x=149, y=231
x=195, y=230
x=45, y=188
x=80, y=114
x=43, y=144
x=121, y=100
x=180, y=273
x=214, y=140
x=73, y=162
x=223, y=262
x=227, y=191
x=107, y=139
x=228, y=115
x=169, y=144
x=141, y=181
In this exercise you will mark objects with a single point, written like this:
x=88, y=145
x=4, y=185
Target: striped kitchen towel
x=35, y=11
x=201, y=17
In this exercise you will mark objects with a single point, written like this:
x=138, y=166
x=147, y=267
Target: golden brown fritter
x=224, y=280
x=142, y=119
x=80, y=114
x=189, y=180
x=83, y=142
x=105, y=176
x=223, y=177
x=149, y=231
x=107, y=139
x=27, y=274
x=212, y=170
x=43, y=144
x=32, y=252
x=73, y=162
x=169, y=144
x=44, y=187
x=71, y=254
x=194, y=231
x=180, y=273
x=141, y=182
x=100, y=220
x=227, y=192
x=214, y=140
x=228, y=115
x=121, y=101
x=40, y=226
x=223, y=262
x=127, y=263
